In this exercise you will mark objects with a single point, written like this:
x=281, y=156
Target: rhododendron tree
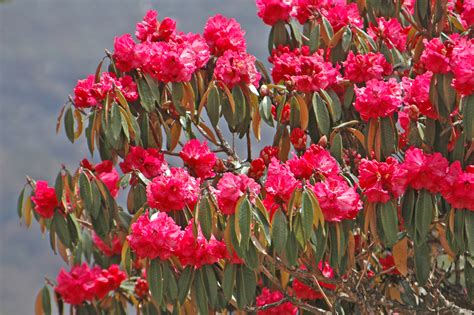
x=361, y=200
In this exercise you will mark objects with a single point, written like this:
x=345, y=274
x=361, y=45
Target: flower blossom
x=435, y=56
x=342, y=14
x=109, y=250
x=150, y=162
x=149, y=29
x=302, y=291
x=231, y=187
x=280, y=182
x=224, y=34
x=382, y=181
x=198, y=251
x=458, y=187
x=257, y=168
x=269, y=297
x=298, y=139
x=462, y=66
x=273, y=11
x=198, y=158
x=417, y=92
x=390, y=32
x=362, y=68
x=378, y=99
x=173, y=190
x=154, y=237
x=45, y=199
x=315, y=161
x=305, y=71
x=337, y=199
x=235, y=68
x=107, y=280
x=268, y=153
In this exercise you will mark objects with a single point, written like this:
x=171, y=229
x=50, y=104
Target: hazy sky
x=45, y=47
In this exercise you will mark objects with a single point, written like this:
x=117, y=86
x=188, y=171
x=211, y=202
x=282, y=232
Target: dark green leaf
x=85, y=191
x=322, y=114
x=115, y=122
x=210, y=282
x=422, y=263
x=408, y=211
x=228, y=280
x=155, y=280
x=240, y=104
x=291, y=250
x=336, y=148
x=389, y=219
x=314, y=39
x=69, y=124
x=214, y=106
x=146, y=95
x=423, y=216
x=346, y=39
x=200, y=291
x=307, y=215
x=468, y=116
x=60, y=225
x=19, y=206
x=295, y=31
x=389, y=141
x=46, y=300
x=184, y=283
x=205, y=217
x=279, y=231
x=243, y=216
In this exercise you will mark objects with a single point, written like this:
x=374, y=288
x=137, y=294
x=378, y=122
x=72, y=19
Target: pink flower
x=382, y=181
x=224, y=34
x=435, y=56
x=231, y=187
x=45, y=199
x=338, y=201
x=150, y=162
x=316, y=160
x=268, y=153
x=198, y=251
x=302, y=291
x=425, y=171
x=272, y=11
x=76, y=286
x=124, y=55
x=303, y=10
x=155, y=237
x=147, y=30
x=462, y=65
x=417, y=92
x=390, y=32
x=378, y=98
x=109, y=250
x=458, y=187
x=173, y=190
x=107, y=280
x=167, y=29
x=234, y=68
x=468, y=12
x=198, y=158
x=198, y=45
x=361, y=68
x=83, y=97
x=280, y=182
x=306, y=72
x=342, y=14
x=109, y=176
x=269, y=297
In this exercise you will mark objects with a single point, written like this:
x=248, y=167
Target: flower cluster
x=390, y=32
x=234, y=68
x=45, y=199
x=273, y=11
x=89, y=93
x=458, y=188
x=417, y=92
x=299, y=68
x=198, y=158
x=269, y=297
x=83, y=284
x=150, y=162
x=223, y=34
x=231, y=187
x=378, y=98
x=106, y=172
x=109, y=250
x=362, y=68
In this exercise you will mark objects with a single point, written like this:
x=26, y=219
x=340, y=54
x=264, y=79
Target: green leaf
x=246, y=284
x=422, y=263
x=469, y=276
x=243, y=217
x=155, y=280
x=210, y=282
x=205, y=217
x=153, y=84
x=408, y=211
x=169, y=281
x=468, y=116
x=115, y=122
x=60, y=226
x=69, y=124
x=469, y=230
x=280, y=34
x=314, y=39
x=146, y=95
x=214, y=106
x=19, y=206
x=184, y=283
x=200, y=291
x=423, y=216
x=322, y=114
x=291, y=250
x=74, y=228
x=229, y=280
x=346, y=39
x=319, y=240
x=389, y=141
x=94, y=209
x=46, y=300
x=240, y=104
x=58, y=186
x=295, y=31
x=266, y=110
x=307, y=215
x=389, y=219
x=336, y=148
x=279, y=231
x=85, y=191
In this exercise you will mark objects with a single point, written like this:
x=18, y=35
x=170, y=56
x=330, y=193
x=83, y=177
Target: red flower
x=124, y=56
x=109, y=176
x=76, y=286
x=388, y=262
x=257, y=168
x=141, y=288
x=390, y=32
x=302, y=291
x=435, y=56
x=150, y=162
x=338, y=201
x=83, y=93
x=224, y=34
x=462, y=65
x=45, y=199
x=269, y=297
x=155, y=237
x=417, y=92
x=151, y=30
x=341, y=14
x=382, y=181
x=272, y=11
x=284, y=115
x=173, y=190
x=305, y=71
x=425, y=171
x=268, y=153
x=316, y=160
x=107, y=280
x=378, y=99
x=198, y=158
x=280, y=182
x=361, y=68
x=458, y=187
x=298, y=139
x=231, y=187
x=234, y=68
x=114, y=248
x=198, y=251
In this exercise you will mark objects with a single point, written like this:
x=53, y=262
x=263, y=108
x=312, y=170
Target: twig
x=323, y=293
x=249, y=147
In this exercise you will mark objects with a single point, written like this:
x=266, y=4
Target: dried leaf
x=400, y=255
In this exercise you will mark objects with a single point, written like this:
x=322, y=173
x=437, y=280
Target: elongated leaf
x=85, y=191
x=243, y=217
x=468, y=116
x=155, y=280
x=346, y=39
x=146, y=95
x=115, y=122
x=279, y=231
x=46, y=300
x=204, y=216
x=423, y=216
x=214, y=106
x=388, y=136
x=321, y=113
x=229, y=280
x=19, y=206
x=422, y=263
x=61, y=228
x=184, y=283
x=307, y=214
x=314, y=39
x=200, y=291
x=210, y=282
x=389, y=219
x=69, y=124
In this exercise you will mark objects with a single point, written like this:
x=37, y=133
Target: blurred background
x=45, y=47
